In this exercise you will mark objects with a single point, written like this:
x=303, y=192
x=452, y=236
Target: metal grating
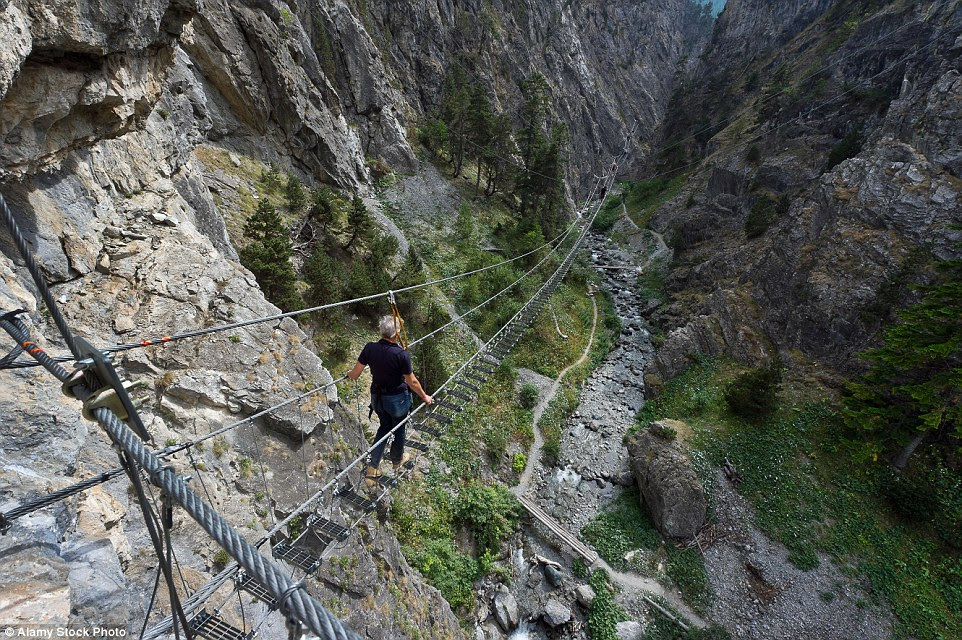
x=444, y=404
x=420, y=426
x=256, y=589
x=467, y=385
x=462, y=396
x=475, y=376
x=436, y=416
x=214, y=627
x=414, y=444
x=356, y=500
x=297, y=557
x=327, y=530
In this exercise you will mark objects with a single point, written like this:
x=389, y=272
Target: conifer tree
x=323, y=209
x=294, y=196
x=455, y=103
x=497, y=154
x=323, y=277
x=359, y=221
x=479, y=122
x=268, y=256
x=428, y=360
x=912, y=392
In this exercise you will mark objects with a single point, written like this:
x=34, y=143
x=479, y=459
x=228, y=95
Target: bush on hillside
x=753, y=394
x=528, y=396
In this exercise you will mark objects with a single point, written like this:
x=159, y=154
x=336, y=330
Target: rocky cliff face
x=838, y=241
x=131, y=130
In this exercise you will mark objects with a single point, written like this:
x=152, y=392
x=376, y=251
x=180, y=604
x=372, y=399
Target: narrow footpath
x=593, y=467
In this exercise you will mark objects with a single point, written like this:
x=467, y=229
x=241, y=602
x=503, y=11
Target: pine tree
x=912, y=392
x=479, y=122
x=428, y=361
x=323, y=209
x=538, y=186
x=294, y=196
x=359, y=221
x=455, y=103
x=497, y=154
x=323, y=277
x=360, y=284
x=268, y=256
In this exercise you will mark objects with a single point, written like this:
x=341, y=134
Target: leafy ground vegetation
x=639, y=200
x=802, y=471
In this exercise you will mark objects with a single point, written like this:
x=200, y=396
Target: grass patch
x=643, y=198
x=566, y=400
x=626, y=538
x=604, y=614
x=810, y=495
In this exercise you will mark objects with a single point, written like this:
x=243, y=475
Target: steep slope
x=114, y=117
x=830, y=178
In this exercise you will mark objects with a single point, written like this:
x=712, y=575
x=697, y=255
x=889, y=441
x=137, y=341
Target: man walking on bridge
x=392, y=378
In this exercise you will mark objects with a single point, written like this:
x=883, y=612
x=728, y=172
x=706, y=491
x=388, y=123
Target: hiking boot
x=371, y=475
x=400, y=463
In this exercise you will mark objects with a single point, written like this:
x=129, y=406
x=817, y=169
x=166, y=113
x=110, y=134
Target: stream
x=592, y=471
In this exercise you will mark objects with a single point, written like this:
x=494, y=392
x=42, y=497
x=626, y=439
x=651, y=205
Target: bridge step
x=443, y=404
x=297, y=557
x=326, y=530
x=475, y=376
x=356, y=500
x=214, y=627
x=414, y=444
x=256, y=589
x=467, y=385
x=462, y=396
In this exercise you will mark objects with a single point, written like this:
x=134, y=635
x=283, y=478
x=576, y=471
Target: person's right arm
x=355, y=373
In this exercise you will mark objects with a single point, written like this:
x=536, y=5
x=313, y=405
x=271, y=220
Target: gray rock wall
x=849, y=242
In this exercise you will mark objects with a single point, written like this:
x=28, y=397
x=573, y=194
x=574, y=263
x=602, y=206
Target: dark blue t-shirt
x=389, y=362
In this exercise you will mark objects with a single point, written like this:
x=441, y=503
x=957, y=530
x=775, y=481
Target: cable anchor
x=113, y=393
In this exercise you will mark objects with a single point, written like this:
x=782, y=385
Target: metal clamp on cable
x=4, y=524
x=113, y=392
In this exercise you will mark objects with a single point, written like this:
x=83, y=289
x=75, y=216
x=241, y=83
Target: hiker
x=392, y=378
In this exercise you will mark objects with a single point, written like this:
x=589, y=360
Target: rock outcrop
x=670, y=489
x=841, y=243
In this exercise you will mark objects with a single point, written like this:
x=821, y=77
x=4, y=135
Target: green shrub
x=847, y=147
x=765, y=210
x=489, y=511
x=528, y=396
x=221, y=558
x=452, y=572
x=519, y=462
x=609, y=214
x=604, y=614
x=753, y=394
x=754, y=154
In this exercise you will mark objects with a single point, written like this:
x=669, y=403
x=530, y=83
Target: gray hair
x=386, y=327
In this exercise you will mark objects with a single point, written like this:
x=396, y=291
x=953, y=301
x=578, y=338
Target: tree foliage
x=360, y=222
x=268, y=256
x=753, y=394
x=913, y=388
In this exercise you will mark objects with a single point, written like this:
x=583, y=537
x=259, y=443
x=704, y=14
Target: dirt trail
x=534, y=452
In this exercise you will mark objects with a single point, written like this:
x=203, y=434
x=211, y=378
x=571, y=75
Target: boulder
x=585, y=595
x=629, y=630
x=506, y=610
x=553, y=575
x=670, y=488
x=556, y=613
